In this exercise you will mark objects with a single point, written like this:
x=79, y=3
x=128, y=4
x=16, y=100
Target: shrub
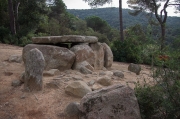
x=162, y=100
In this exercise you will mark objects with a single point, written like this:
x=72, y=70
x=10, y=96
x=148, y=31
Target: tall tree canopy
x=102, y=2
x=158, y=7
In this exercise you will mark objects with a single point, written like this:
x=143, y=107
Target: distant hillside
x=111, y=15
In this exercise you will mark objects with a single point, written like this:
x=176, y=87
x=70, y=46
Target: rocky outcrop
x=108, y=56
x=64, y=39
x=99, y=55
x=134, y=68
x=34, y=67
x=113, y=102
x=55, y=57
x=77, y=89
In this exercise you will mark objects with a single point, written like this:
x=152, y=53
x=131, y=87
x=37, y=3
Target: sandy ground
x=15, y=103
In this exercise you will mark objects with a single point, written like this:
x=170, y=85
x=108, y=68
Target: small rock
x=7, y=73
x=118, y=74
x=134, y=68
x=90, y=83
x=72, y=110
x=77, y=78
x=105, y=81
x=77, y=88
x=15, y=58
x=23, y=97
x=53, y=84
x=16, y=83
x=22, y=77
x=96, y=86
x=85, y=70
x=51, y=72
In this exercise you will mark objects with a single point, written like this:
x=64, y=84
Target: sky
x=80, y=4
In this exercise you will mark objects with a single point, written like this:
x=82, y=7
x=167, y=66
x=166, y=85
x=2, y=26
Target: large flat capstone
x=64, y=39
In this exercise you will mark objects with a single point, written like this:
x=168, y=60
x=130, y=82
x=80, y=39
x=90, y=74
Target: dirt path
x=49, y=103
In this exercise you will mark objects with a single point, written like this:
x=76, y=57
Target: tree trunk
x=11, y=17
x=162, y=36
x=121, y=20
x=16, y=13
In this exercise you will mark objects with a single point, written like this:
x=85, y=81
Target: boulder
x=64, y=39
x=72, y=111
x=83, y=53
x=55, y=57
x=108, y=56
x=105, y=81
x=78, y=89
x=134, y=68
x=113, y=102
x=107, y=73
x=99, y=55
x=34, y=67
x=15, y=58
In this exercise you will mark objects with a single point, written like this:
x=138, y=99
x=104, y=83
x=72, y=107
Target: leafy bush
x=162, y=100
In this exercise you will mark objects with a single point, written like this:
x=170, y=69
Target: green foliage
x=162, y=99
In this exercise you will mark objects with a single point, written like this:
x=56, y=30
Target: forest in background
x=111, y=16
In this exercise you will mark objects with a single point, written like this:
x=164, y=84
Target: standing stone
x=113, y=102
x=83, y=53
x=34, y=70
x=134, y=68
x=99, y=55
x=55, y=57
x=108, y=56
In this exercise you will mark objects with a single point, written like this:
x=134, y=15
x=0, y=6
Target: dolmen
x=71, y=52
x=83, y=53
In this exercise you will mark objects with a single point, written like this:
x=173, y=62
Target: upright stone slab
x=108, y=56
x=83, y=53
x=113, y=102
x=34, y=70
x=99, y=55
x=55, y=57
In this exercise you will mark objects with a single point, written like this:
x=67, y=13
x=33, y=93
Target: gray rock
x=16, y=83
x=83, y=53
x=77, y=78
x=134, y=68
x=108, y=56
x=72, y=111
x=55, y=57
x=99, y=55
x=77, y=88
x=51, y=72
x=77, y=66
x=64, y=39
x=15, y=58
x=105, y=81
x=34, y=67
x=22, y=77
x=118, y=74
x=85, y=70
x=91, y=83
x=113, y=102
